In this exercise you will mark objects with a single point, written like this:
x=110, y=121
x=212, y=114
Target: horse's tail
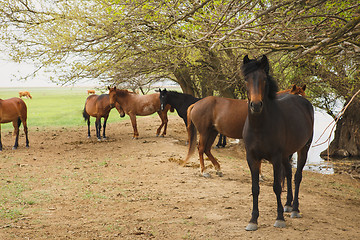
x=192, y=135
x=85, y=114
x=18, y=124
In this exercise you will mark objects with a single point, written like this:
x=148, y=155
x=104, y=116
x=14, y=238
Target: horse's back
x=226, y=115
x=12, y=109
x=97, y=104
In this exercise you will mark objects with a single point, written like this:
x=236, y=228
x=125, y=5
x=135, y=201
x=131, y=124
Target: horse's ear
x=108, y=87
x=115, y=88
x=304, y=87
x=265, y=63
x=293, y=88
x=246, y=59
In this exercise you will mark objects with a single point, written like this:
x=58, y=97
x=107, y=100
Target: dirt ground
x=66, y=186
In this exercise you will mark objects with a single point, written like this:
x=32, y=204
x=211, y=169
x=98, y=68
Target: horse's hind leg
x=302, y=156
x=210, y=140
x=16, y=124
x=288, y=174
x=26, y=132
x=88, y=124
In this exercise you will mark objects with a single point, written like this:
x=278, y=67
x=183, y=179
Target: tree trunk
x=346, y=142
x=183, y=78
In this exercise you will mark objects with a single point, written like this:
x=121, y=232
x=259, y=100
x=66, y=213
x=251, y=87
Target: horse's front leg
x=254, y=165
x=98, y=128
x=277, y=167
x=134, y=125
x=104, y=126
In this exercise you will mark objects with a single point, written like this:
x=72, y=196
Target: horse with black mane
x=14, y=110
x=276, y=127
x=181, y=102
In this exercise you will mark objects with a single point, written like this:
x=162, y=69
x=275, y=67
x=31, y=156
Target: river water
x=314, y=161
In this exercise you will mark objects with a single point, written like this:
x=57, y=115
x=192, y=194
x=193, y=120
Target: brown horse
x=139, y=105
x=210, y=116
x=14, y=110
x=213, y=115
x=275, y=128
x=98, y=106
x=295, y=90
x=25, y=94
x=90, y=92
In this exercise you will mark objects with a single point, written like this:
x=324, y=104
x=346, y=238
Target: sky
x=10, y=73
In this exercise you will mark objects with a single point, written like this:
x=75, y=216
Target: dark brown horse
x=14, y=110
x=139, y=105
x=276, y=127
x=98, y=106
x=213, y=115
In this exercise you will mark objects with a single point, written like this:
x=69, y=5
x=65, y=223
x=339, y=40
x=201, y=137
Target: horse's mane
x=254, y=65
x=179, y=93
x=123, y=92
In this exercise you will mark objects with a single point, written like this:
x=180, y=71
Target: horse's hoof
x=14, y=148
x=88, y=136
x=99, y=139
x=295, y=214
x=287, y=209
x=280, y=224
x=206, y=175
x=157, y=135
x=162, y=136
x=251, y=227
x=220, y=174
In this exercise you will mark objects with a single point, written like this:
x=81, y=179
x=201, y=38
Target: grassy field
x=59, y=107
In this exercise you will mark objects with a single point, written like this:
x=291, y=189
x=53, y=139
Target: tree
x=198, y=44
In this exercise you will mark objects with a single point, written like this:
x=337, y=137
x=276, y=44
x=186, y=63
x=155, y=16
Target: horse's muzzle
x=256, y=107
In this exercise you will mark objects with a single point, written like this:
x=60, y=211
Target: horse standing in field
x=213, y=115
x=181, y=102
x=275, y=128
x=139, y=105
x=14, y=110
x=90, y=92
x=98, y=106
x=25, y=94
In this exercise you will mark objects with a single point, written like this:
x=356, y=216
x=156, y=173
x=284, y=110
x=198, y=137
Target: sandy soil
x=66, y=186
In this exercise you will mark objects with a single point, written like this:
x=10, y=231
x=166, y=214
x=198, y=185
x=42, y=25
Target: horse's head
x=112, y=96
x=258, y=82
x=120, y=110
x=298, y=90
x=163, y=99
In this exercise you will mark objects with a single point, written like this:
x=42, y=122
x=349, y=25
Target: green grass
x=59, y=106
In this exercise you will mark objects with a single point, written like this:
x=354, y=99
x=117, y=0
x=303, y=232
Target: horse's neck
x=176, y=100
